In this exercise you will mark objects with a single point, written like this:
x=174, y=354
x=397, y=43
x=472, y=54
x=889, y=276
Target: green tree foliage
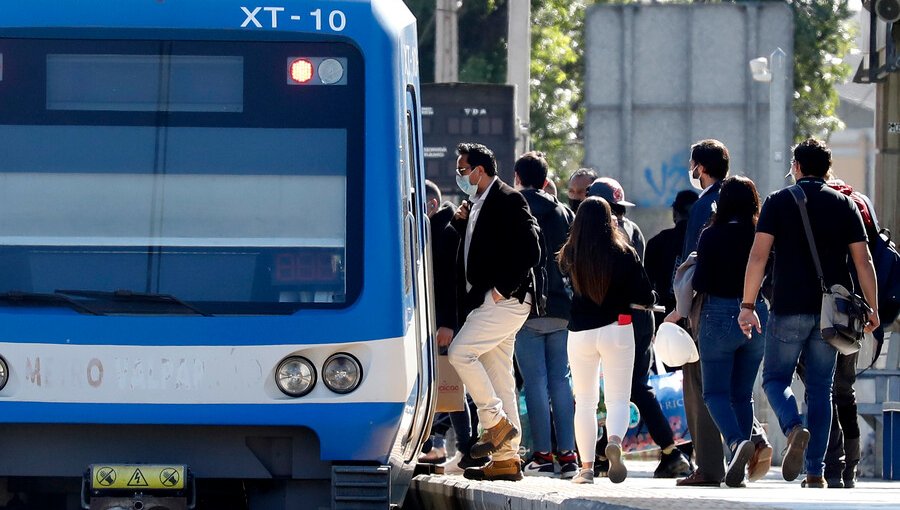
x=557, y=82
x=821, y=40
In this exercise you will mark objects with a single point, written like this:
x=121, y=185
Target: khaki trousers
x=482, y=354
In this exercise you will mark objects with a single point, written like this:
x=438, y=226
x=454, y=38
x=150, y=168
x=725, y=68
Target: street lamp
x=772, y=71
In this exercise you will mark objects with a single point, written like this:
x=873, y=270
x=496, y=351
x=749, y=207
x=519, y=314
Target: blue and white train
x=213, y=254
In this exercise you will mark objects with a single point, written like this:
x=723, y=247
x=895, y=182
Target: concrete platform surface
x=641, y=491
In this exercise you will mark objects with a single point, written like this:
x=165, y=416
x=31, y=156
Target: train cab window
x=185, y=168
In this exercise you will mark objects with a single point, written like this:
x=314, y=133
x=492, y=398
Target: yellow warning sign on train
x=137, y=476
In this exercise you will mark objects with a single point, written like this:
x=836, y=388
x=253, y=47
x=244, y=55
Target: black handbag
x=844, y=315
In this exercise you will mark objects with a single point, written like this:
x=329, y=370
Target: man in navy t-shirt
x=793, y=329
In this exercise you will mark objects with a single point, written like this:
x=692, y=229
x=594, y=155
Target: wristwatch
x=749, y=306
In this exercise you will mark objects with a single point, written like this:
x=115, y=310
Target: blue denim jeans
x=544, y=364
x=729, y=363
x=788, y=338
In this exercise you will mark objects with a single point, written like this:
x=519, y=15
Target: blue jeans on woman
x=541, y=352
x=788, y=337
x=729, y=362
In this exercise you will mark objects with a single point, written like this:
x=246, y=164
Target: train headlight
x=4, y=373
x=295, y=376
x=342, y=373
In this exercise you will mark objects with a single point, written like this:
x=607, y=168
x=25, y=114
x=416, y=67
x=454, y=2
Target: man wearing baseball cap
x=610, y=190
x=672, y=463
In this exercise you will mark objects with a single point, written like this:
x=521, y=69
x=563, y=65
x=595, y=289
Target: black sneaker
x=835, y=483
x=737, y=468
x=568, y=464
x=672, y=465
x=601, y=466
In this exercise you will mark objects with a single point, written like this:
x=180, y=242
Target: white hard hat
x=674, y=346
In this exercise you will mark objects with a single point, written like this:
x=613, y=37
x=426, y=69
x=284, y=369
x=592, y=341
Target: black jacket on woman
x=629, y=285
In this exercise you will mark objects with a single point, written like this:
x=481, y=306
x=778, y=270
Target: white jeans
x=482, y=354
x=613, y=344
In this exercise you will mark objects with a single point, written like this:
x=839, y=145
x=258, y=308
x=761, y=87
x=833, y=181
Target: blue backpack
x=887, y=270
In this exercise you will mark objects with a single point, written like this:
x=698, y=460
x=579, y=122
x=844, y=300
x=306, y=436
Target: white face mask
x=695, y=180
x=462, y=181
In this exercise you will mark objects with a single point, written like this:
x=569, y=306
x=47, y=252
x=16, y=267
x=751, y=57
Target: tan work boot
x=493, y=438
x=760, y=462
x=797, y=440
x=509, y=470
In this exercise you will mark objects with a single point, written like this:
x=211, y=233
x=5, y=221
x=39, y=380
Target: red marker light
x=300, y=70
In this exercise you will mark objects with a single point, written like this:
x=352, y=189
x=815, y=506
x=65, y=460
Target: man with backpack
x=541, y=344
x=843, y=454
x=794, y=328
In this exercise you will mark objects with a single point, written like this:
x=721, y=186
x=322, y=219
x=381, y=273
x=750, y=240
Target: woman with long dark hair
x=607, y=278
x=729, y=360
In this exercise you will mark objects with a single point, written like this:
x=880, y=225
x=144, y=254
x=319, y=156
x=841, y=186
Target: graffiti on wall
x=664, y=182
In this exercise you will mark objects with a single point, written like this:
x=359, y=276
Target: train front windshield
x=219, y=173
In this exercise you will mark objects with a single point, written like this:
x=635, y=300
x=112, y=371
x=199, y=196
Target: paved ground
x=641, y=491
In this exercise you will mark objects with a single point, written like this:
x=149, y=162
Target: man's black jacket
x=444, y=243
x=503, y=249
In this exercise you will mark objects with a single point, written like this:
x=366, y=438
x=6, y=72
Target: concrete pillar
x=446, y=42
x=518, y=67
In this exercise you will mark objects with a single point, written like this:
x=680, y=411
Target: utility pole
x=518, y=70
x=446, y=61
x=778, y=141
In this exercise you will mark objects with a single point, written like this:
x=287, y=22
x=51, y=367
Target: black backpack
x=539, y=272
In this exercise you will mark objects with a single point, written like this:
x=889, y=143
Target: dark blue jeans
x=788, y=338
x=729, y=363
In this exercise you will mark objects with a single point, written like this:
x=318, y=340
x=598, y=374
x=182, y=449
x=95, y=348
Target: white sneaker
x=451, y=467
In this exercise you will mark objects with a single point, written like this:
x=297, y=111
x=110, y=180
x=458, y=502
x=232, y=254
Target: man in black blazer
x=499, y=246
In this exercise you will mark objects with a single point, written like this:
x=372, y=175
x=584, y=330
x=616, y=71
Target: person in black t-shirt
x=794, y=329
x=607, y=278
x=729, y=360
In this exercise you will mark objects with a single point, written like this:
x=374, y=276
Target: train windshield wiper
x=124, y=295
x=37, y=298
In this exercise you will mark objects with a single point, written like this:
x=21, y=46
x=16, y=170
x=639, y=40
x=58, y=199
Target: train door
x=418, y=273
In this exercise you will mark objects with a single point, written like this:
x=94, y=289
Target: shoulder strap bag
x=844, y=315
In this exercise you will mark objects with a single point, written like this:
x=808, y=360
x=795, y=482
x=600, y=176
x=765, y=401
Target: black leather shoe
x=698, y=479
